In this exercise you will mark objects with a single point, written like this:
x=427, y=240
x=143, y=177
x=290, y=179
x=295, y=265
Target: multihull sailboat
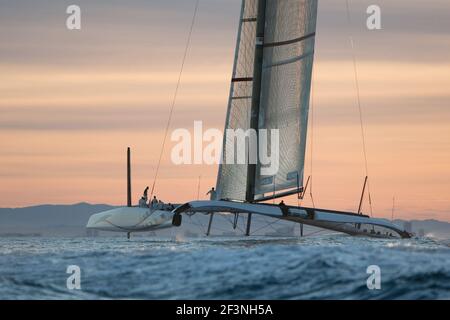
x=270, y=90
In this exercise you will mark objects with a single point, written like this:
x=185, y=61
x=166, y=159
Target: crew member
x=146, y=193
x=284, y=208
x=212, y=194
x=154, y=202
x=143, y=202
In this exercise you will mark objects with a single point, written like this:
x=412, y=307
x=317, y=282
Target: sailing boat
x=270, y=90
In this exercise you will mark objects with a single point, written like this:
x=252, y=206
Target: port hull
x=130, y=219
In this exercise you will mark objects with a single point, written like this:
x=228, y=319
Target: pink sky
x=70, y=104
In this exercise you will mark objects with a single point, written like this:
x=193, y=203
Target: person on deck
x=144, y=199
x=143, y=202
x=154, y=202
x=284, y=208
x=212, y=194
x=145, y=193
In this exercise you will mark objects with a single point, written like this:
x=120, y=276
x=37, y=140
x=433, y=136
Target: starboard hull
x=349, y=223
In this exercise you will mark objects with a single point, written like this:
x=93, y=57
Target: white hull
x=130, y=219
x=349, y=223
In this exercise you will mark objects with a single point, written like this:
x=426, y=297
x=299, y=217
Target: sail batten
x=283, y=43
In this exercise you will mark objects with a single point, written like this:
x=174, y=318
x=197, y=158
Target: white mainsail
x=288, y=56
x=288, y=53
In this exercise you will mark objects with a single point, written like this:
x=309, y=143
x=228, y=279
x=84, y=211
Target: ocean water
x=327, y=267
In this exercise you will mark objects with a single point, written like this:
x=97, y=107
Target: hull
x=130, y=219
x=346, y=222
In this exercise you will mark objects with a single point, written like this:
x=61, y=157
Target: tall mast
x=129, y=201
x=256, y=93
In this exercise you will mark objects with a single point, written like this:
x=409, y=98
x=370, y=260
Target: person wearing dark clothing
x=144, y=199
x=284, y=208
x=154, y=203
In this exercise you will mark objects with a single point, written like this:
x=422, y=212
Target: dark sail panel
x=232, y=177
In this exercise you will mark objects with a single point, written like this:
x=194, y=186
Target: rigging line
x=175, y=96
x=315, y=232
x=199, y=226
x=272, y=227
x=312, y=138
x=312, y=200
x=198, y=187
x=199, y=222
x=220, y=229
x=321, y=230
x=266, y=226
x=215, y=228
x=358, y=94
x=232, y=224
x=269, y=224
x=393, y=208
x=313, y=102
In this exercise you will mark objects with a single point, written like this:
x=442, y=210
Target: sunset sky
x=72, y=101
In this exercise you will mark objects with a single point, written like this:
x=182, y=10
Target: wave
x=327, y=267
